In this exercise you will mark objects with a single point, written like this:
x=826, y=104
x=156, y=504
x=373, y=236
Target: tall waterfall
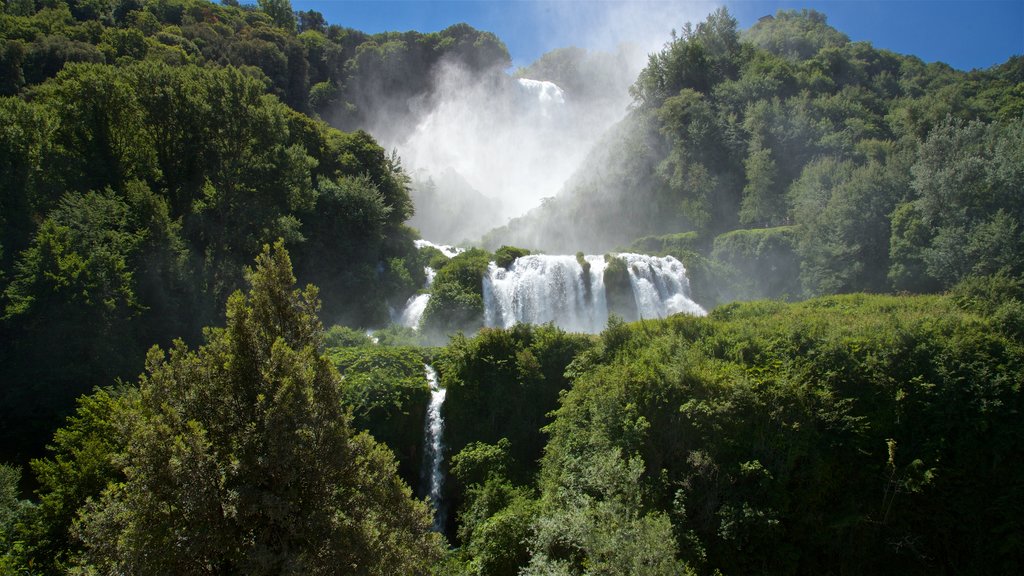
x=538, y=289
x=433, y=453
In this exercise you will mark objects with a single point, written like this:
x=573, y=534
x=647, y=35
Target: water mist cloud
x=517, y=142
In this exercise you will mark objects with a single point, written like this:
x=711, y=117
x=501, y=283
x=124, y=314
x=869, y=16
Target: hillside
x=877, y=164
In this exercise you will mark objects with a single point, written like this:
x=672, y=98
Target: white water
x=660, y=286
x=547, y=95
x=449, y=251
x=538, y=289
x=413, y=310
x=433, y=452
x=417, y=303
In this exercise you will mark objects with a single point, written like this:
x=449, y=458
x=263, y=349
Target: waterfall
x=538, y=289
x=660, y=286
x=449, y=251
x=433, y=453
x=543, y=95
x=417, y=303
x=413, y=310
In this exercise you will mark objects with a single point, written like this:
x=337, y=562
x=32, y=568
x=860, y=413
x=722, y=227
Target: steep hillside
x=880, y=163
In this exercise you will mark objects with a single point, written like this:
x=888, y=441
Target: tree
x=281, y=12
x=242, y=460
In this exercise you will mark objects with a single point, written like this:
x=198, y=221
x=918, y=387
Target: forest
x=203, y=248
x=786, y=161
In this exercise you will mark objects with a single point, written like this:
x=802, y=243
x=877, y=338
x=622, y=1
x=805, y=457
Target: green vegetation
x=502, y=385
x=387, y=391
x=763, y=257
x=335, y=72
x=457, y=299
x=151, y=149
x=618, y=289
x=889, y=173
x=843, y=434
x=506, y=255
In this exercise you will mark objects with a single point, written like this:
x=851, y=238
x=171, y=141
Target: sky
x=965, y=34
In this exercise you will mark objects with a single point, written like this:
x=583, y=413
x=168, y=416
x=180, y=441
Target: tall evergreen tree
x=242, y=460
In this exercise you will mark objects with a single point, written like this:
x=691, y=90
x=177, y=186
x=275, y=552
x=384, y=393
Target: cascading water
x=547, y=95
x=449, y=251
x=660, y=286
x=538, y=289
x=417, y=303
x=433, y=453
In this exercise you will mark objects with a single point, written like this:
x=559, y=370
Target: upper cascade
x=570, y=291
x=543, y=90
x=543, y=93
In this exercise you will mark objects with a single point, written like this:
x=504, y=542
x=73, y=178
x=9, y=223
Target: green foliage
x=338, y=336
x=388, y=393
x=765, y=259
x=396, y=335
x=84, y=458
x=985, y=294
x=967, y=178
x=237, y=452
x=795, y=35
x=456, y=299
x=619, y=289
x=810, y=437
x=132, y=197
x=501, y=384
x=506, y=255
x=12, y=507
x=598, y=525
x=280, y=11
x=495, y=521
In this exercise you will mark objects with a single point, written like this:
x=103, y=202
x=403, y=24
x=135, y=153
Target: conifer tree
x=242, y=459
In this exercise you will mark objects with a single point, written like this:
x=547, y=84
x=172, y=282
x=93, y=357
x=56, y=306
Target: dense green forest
x=150, y=148
x=182, y=215
x=788, y=147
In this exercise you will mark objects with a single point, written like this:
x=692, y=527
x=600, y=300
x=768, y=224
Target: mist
x=486, y=147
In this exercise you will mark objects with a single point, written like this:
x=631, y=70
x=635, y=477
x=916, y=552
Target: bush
x=506, y=255
x=765, y=260
x=386, y=388
x=457, y=300
x=618, y=289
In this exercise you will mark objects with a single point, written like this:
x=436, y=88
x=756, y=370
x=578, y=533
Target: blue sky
x=965, y=34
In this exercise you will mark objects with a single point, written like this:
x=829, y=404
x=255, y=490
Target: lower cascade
x=570, y=291
x=433, y=453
